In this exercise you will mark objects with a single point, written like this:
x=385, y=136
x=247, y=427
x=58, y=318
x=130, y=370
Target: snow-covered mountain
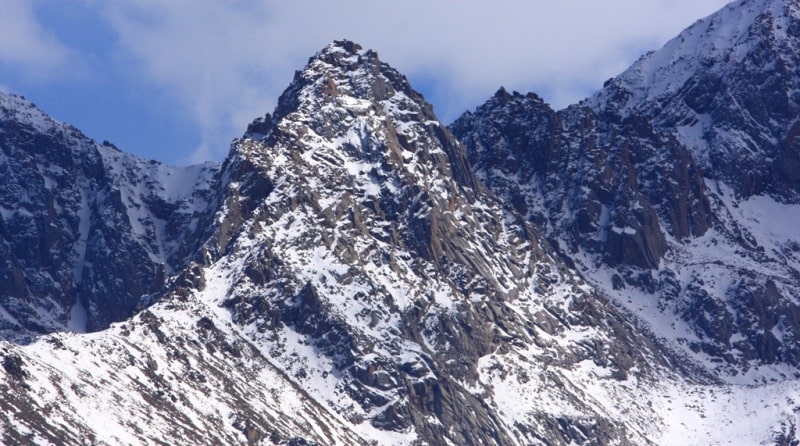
x=348, y=252
x=87, y=231
x=674, y=189
x=353, y=274
x=728, y=89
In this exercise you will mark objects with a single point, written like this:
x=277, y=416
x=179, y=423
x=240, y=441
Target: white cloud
x=26, y=46
x=228, y=60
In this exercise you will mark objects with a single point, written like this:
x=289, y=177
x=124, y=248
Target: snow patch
x=77, y=318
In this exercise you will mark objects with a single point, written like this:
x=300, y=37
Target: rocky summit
x=621, y=272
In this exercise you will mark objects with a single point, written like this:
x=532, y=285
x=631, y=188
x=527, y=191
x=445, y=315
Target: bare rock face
x=594, y=180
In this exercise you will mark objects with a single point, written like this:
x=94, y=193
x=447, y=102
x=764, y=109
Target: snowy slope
x=170, y=375
x=165, y=205
x=728, y=35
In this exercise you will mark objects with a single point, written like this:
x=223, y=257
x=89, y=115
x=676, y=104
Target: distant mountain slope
x=728, y=89
x=673, y=188
x=87, y=231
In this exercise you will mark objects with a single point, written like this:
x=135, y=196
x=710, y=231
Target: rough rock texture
x=595, y=180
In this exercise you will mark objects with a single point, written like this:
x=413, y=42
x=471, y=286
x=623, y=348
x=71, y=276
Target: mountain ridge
x=71, y=207
x=354, y=273
x=643, y=215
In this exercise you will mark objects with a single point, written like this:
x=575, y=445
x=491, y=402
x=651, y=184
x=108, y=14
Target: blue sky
x=177, y=80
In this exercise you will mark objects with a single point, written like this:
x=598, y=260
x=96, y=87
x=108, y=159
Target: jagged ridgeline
x=670, y=188
x=353, y=273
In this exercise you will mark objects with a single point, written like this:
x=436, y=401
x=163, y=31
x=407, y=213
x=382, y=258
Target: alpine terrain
x=625, y=271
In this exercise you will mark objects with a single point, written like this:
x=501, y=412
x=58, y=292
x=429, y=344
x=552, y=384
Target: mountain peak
x=344, y=56
x=347, y=102
x=345, y=73
x=339, y=52
x=14, y=108
x=734, y=37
